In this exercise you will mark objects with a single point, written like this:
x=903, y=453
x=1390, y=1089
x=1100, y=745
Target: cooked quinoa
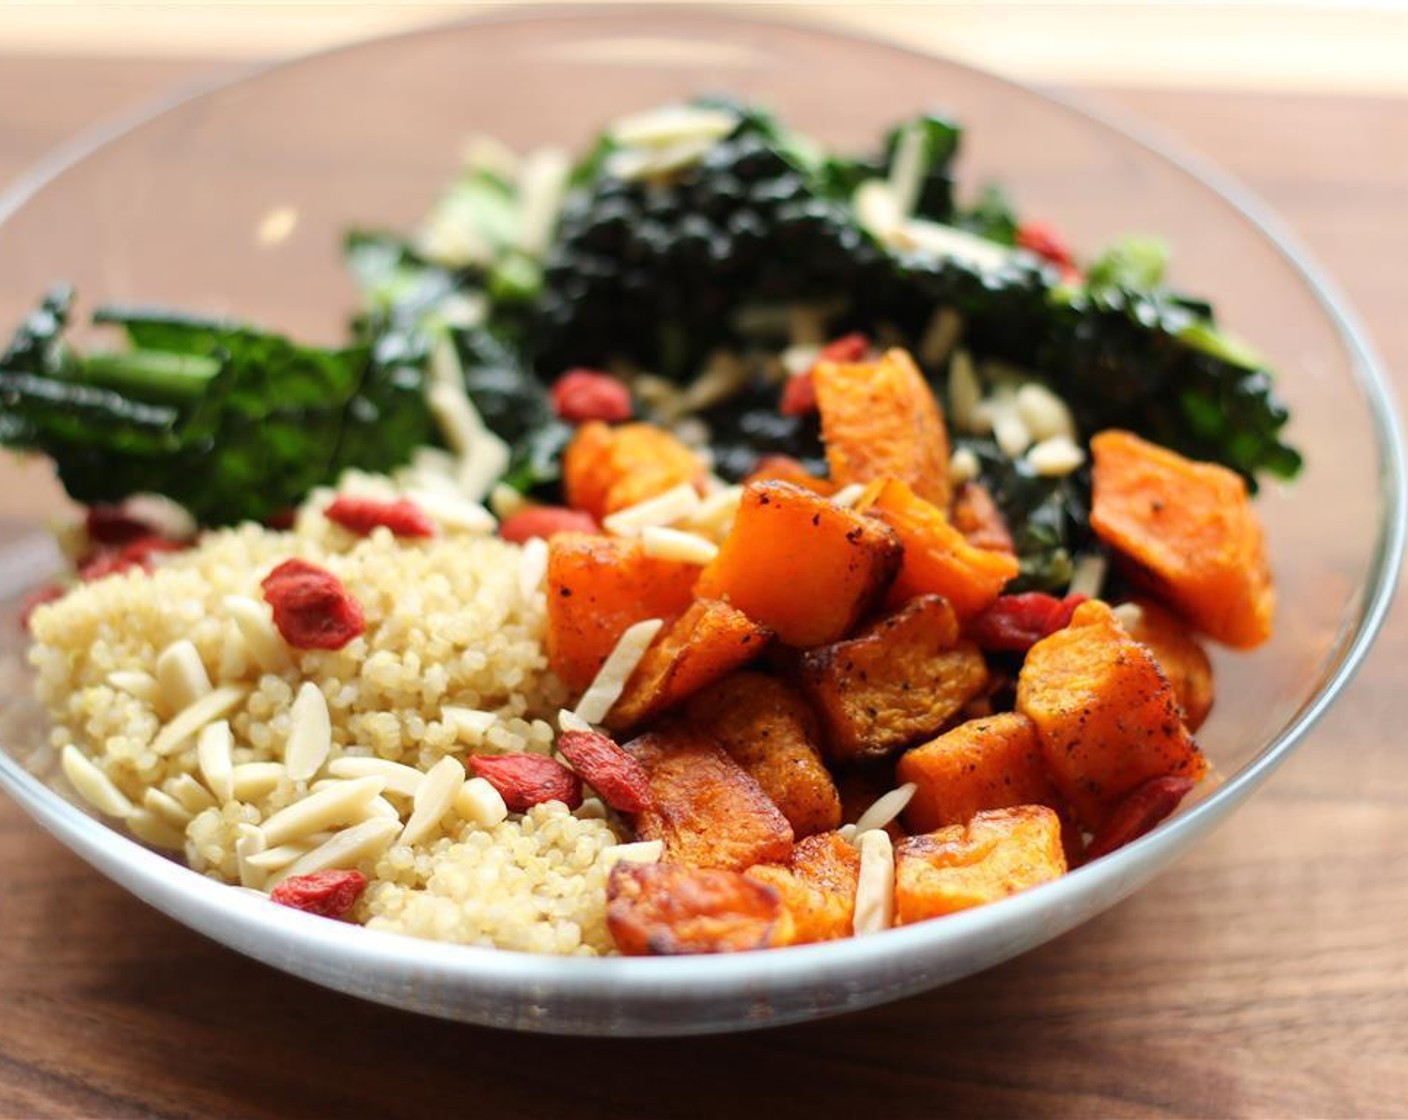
x=452, y=661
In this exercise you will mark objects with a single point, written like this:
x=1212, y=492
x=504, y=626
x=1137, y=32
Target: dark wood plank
x=1265, y=975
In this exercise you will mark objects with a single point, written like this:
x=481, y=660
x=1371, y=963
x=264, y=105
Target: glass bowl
x=169, y=210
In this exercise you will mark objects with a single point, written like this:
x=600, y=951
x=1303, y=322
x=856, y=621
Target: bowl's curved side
x=694, y=995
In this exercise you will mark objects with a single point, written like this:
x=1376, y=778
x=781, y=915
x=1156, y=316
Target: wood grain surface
x=1266, y=975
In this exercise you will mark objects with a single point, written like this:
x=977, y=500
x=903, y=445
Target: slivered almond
x=453, y=512
x=480, y=803
x=679, y=503
x=92, y=784
x=336, y=804
x=1088, y=575
x=187, y=722
x=673, y=544
x=641, y=851
x=249, y=842
x=611, y=679
x=848, y=496
x=470, y=724
x=309, y=733
x=437, y=792
x=532, y=568
x=965, y=393
x=400, y=778
x=272, y=859
x=571, y=721
x=346, y=849
x=180, y=676
x=190, y=793
x=167, y=808
x=154, y=830
x=875, y=887
x=215, y=754
x=261, y=637
x=253, y=780
x=886, y=808
x=139, y=685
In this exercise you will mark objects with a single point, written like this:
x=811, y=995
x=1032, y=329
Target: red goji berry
x=580, y=395
x=620, y=780
x=329, y=894
x=525, y=780
x=544, y=521
x=1043, y=240
x=312, y=609
x=133, y=554
x=37, y=598
x=111, y=525
x=1015, y=623
x=1142, y=808
x=799, y=393
x=361, y=515
x=282, y=520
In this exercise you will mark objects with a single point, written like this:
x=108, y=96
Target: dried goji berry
x=544, y=521
x=37, y=598
x=799, y=393
x=580, y=395
x=848, y=348
x=111, y=525
x=329, y=894
x=1043, y=240
x=1015, y=623
x=1142, y=808
x=312, y=609
x=361, y=515
x=134, y=554
x=620, y=780
x=525, y=780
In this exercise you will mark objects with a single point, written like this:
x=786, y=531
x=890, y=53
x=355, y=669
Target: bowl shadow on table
x=219, y=1034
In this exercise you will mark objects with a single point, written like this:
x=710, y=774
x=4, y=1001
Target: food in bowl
x=714, y=543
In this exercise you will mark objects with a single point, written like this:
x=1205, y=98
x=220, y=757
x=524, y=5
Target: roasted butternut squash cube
x=784, y=468
x=771, y=731
x=704, y=807
x=1186, y=532
x=663, y=909
x=1106, y=715
x=1184, y=662
x=707, y=642
x=879, y=420
x=938, y=559
x=992, y=763
x=818, y=888
x=800, y=564
x=597, y=586
x=898, y=681
x=605, y=469
x=996, y=854
x=976, y=516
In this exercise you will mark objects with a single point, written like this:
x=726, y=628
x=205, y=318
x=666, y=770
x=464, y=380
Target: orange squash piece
x=605, y=468
x=976, y=516
x=1106, y=715
x=996, y=854
x=770, y=731
x=784, y=468
x=938, y=559
x=1184, y=662
x=597, y=586
x=898, y=681
x=801, y=565
x=992, y=763
x=817, y=888
x=662, y=909
x=709, y=641
x=881, y=420
x=706, y=809
x=1187, y=532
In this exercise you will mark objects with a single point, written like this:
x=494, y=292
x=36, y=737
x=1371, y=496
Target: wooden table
x=1266, y=975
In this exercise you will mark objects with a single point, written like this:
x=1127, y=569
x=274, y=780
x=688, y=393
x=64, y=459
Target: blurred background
x=1313, y=45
